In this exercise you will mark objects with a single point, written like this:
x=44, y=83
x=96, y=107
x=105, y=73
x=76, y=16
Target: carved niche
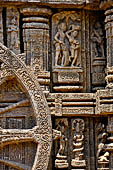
x=66, y=51
x=98, y=58
x=25, y=122
x=66, y=39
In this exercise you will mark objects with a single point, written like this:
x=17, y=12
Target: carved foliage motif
x=66, y=39
x=38, y=103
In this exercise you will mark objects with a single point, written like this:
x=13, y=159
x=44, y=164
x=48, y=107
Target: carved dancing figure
x=61, y=158
x=97, y=38
x=63, y=141
x=74, y=44
x=61, y=49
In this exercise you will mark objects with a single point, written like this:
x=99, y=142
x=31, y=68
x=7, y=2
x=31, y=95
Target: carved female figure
x=74, y=44
x=63, y=139
x=98, y=42
x=61, y=49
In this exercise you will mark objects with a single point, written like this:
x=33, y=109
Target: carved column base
x=78, y=163
x=103, y=165
x=98, y=75
x=61, y=162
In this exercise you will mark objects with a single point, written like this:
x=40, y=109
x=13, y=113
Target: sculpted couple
x=62, y=51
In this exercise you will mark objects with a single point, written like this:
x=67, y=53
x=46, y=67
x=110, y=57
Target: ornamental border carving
x=39, y=104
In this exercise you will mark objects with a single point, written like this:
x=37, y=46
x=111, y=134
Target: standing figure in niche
x=63, y=141
x=98, y=40
x=14, y=31
x=61, y=49
x=74, y=44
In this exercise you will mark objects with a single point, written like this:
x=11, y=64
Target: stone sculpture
x=61, y=158
x=55, y=107
x=98, y=41
x=74, y=44
x=78, y=146
x=61, y=49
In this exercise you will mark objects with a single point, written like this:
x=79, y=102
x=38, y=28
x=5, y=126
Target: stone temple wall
x=56, y=85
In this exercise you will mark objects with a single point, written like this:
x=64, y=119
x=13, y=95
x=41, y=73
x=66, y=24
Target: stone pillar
x=36, y=37
x=1, y=26
x=12, y=24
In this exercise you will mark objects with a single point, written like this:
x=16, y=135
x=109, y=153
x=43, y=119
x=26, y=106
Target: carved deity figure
x=98, y=42
x=74, y=44
x=61, y=57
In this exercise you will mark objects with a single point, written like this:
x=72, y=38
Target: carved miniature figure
x=13, y=31
x=61, y=161
x=63, y=140
x=74, y=44
x=104, y=158
x=61, y=57
x=102, y=155
x=98, y=42
x=78, y=138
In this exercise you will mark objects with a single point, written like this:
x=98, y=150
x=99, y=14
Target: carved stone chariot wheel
x=25, y=121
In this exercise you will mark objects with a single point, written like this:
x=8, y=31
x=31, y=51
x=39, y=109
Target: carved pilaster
x=36, y=37
x=109, y=37
x=13, y=37
x=1, y=26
